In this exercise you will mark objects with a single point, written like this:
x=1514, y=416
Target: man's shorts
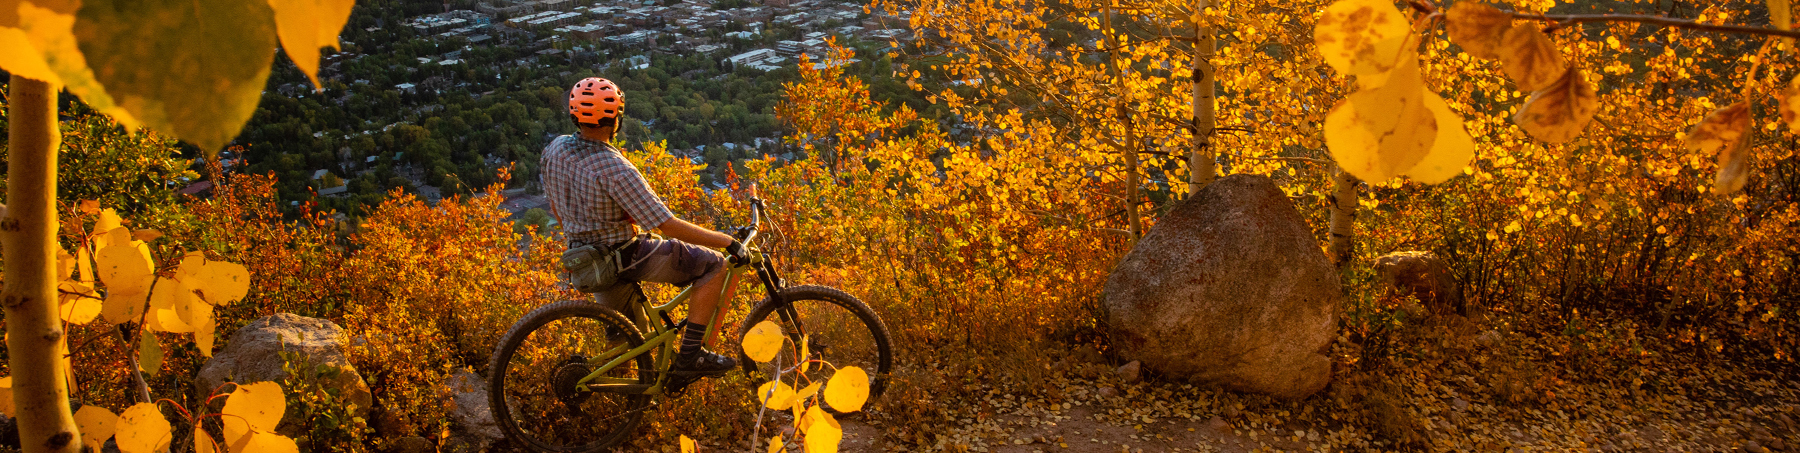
x=670, y=261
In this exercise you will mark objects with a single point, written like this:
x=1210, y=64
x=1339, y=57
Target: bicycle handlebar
x=749, y=233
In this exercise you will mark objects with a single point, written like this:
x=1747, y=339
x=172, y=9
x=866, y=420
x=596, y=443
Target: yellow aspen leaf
x=254, y=408
x=1559, y=112
x=19, y=56
x=220, y=282
x=166, y=320
x=150, y=353
x=1364, y=38
x=6, y=397
x=776, y=395
x=121, y=306
x=204, y=443
x=1530, y=58
x=146, y=235
x=805, y=356
x=763, y=341
x=823, y=433
x=1789, y=105
x=49, y=29
x=776, y=443
x=848, y=389
x=84, y=265
x=1720, y=130
x=205, y=328
x=65, y=264
x=1450, y=152
x=89, y=207
x=96, y=425
x=80, y=304
x=688, y=445
x=808, y=391
x=142, y=429
x=266, y=442
x=1477, y=28
x=193, y=69
x=1379, y=133
x=305, y=26
x=125, y=268
x=1728, y=132
x=104, y=224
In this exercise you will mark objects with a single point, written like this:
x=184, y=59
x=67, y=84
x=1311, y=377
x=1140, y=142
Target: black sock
x=693, y=338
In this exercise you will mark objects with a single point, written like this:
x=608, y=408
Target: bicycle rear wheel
x=838, y=328
x=535, y=368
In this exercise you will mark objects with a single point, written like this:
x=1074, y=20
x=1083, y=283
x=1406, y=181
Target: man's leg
x=680, y=263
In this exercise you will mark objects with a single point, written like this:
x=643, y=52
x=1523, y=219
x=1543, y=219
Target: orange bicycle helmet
x=594, y=98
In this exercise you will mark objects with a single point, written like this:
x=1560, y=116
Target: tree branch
x=1564, y=20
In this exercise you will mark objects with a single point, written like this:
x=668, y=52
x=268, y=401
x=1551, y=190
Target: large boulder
x=254, y=354
x=1422, y=275
x=1229, y=288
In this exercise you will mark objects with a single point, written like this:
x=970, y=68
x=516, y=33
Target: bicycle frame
x=662, y=337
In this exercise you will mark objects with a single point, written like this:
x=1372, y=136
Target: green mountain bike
x=577, y=376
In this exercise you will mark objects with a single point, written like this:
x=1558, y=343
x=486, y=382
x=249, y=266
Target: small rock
x=413, y=444
x=1459, y=404
x=1131, y=373
x=1218, y=424
x=1777, y=444
x=1488, y=339
x=1425, y=277
x=1754, y=447
x=1107, y=392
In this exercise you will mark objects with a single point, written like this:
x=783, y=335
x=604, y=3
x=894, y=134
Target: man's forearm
x=693, y=234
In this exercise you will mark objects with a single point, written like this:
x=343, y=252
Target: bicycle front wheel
x=535, y=370
x=837, y=328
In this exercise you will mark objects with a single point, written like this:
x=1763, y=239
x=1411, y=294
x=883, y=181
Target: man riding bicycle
x=600, y=199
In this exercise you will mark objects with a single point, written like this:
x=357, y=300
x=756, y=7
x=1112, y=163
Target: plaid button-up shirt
x=596, y=192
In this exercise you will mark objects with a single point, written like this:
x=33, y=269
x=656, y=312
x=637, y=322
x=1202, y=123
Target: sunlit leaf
x=1377, y=134
x=823, y=433
x=808, y=391
x=688, y=445
x=65, y=264
x=205, y=327
x=252, y=408
x=194, y=69
x=146, y=235
x=1728, y=133
x=219, y=282
x=1450, y=152
x=142, y=429
x=48, y=31
x=79, y=304
x=121, y=306
x=265, y=442
x=848, y=389
x=1477, y=28
x=204, y=443
x=305, y=26
x=166, y=320
x=125, y=267
x=1720, y=130
x=1559, y=112
x=1364, y=38
x=1530, y=58
x=96, y=425
x=763, y=341
x=1781, y=14
x=150, y=353
x=805, y=356
x=89, y=207
x=775, y=395
x=776, y=443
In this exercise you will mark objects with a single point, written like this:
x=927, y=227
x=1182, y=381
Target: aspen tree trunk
x=34, y=341
x=1202, y=159
x=1124, y=117
x=1343, y=217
